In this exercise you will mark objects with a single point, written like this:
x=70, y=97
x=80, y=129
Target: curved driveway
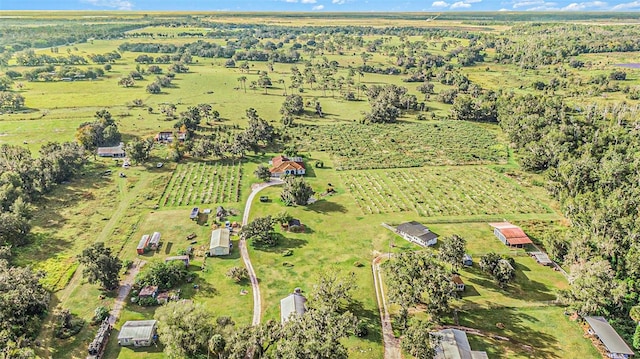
x=242, y=244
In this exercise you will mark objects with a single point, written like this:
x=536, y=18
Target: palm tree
x=281, y=82
x=243, y=82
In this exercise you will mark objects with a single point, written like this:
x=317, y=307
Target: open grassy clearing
x=357, y=146
x=203, y=183
x=439, y=191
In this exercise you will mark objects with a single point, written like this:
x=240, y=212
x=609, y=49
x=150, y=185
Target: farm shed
x=611, y=340
x=142, y=245
x=220, y=244
x=286, y=166
x=293, y=304
x=150, y=291
x=453, y=344
x=510, y=235
x=184, y=259
x=139, y=333
x=194, y=213
x=163, y=297
x=417, y=233
x=155, y=240
x=458, y=282
x=542, y=258
x=114, y=151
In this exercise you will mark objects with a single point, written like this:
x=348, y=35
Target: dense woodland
x=587, y=152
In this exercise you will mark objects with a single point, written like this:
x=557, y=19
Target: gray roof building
x=293, y=303
x=616, y=346
x=137, y=333
x=455, y=345
x=417, y=233
x=220, y=242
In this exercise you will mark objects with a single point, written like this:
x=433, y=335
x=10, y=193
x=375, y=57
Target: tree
x=126, y=81
x=154, y=88
x=292, y=105
x=636, y=337
x=23, y=302
x=634, y=313
x=184, y=329
x=164, y=275
x=100, y=266
x=238, y=274
x=261, y=232
x=594, y=289
x=452, y=249
x=264, y=81
x=416, y=278
x=139, y=150
x=263, y=173
x=500, y=268
x=316, y=334
x=418, y=340
x=333, y=292
x=217, y=344
x=296, y=191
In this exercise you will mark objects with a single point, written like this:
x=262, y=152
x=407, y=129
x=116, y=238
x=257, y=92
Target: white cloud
x=308, y=1
x=317, y=8
x=527, y=3
x=291, y=1
x=440, y=4
x=338, y=2
x=584, y=6
x=503, y=9
x=627, y=6
x=460, y=5
x=112, y=4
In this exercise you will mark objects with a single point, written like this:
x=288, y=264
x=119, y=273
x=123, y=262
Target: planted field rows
x=439, y=191
x=358, y=146
x=203, y=183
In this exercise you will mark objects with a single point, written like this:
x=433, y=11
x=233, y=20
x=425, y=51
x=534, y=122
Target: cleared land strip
x=391, y=343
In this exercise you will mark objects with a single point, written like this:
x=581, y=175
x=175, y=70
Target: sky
x=323, y=5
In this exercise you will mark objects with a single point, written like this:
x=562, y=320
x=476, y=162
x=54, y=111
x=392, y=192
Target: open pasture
x=355, y=146
x=439, y=191
x=203, y=183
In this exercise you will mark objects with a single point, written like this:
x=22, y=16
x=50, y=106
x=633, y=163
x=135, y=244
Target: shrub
x=99, y=314
x=287, y=253
x=65, y=323
x=147, y=301
x=361, y=329
x=358, y=264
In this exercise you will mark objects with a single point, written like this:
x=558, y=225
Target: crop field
x=438, y=191
x=355, y=147
x=203, y=183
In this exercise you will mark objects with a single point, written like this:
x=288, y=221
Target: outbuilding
x=185, y=259
x=614, y=344
x=155, y=240
x=139, y=333
x=510, y=235
x=293, y=304
x=113, y=151
x=220, y=244
x=458, y=282
x=454, y=344
x=143, y=244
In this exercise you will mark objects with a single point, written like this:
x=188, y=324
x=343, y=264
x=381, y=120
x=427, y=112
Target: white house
x=293, y=304
x=417, y=233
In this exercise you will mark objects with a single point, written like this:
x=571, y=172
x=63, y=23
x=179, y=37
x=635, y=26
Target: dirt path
x=124, y=289
x=391, y=343
x=255, y=287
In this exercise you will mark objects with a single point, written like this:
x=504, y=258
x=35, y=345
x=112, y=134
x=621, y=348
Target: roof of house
x=220, y=238
x=137, y=330
x=293, y=303
x=163, y=295
x=295, y=222
x=416, y=229
x=155, y=238
x=456, y=279
x=148, y=291
x=608, y=336
x=288, y=165
x=541, y=258
x=143, y=241
x=513, y=234
x=455, y=345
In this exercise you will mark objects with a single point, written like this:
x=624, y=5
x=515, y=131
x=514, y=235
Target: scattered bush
x=287, y=253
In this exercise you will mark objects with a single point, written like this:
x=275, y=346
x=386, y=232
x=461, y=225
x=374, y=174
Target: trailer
x=194, y=213
x=143, y=244
x=154, y=243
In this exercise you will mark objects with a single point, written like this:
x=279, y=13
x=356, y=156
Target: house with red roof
x=282, y=166
x=510, y=235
